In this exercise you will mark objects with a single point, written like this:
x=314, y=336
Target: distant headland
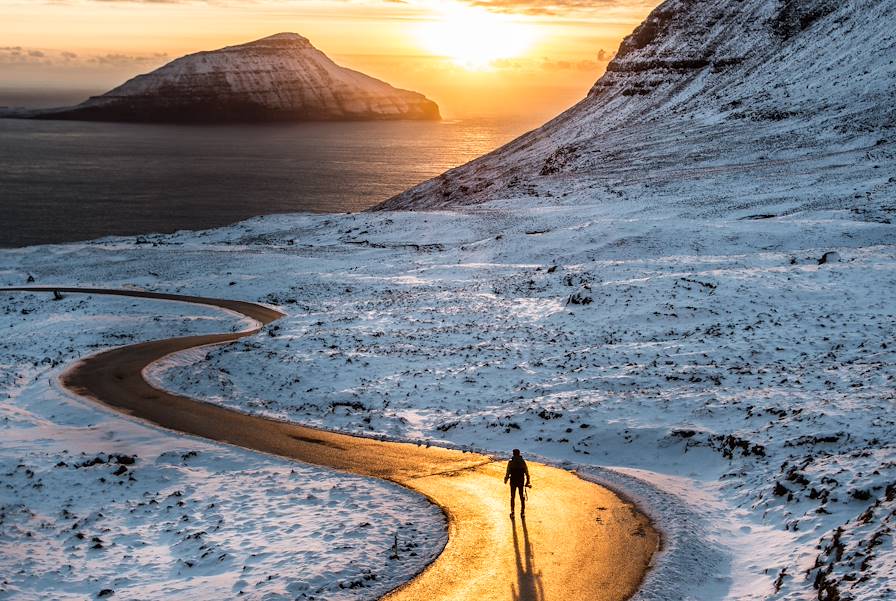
x=278, y=78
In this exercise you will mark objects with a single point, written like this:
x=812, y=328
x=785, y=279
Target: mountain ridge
x=282, y=77
x=705, y=88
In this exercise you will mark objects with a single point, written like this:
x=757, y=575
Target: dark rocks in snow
x=861, y=495
x=829, y=257
x=827, y=586
x=547, y=414
x=683, y=433
x=795, y=476
x=446, y=426
x=779, y=581
x=689, y=64
x=645, y=33
x=795, y=16
x=120, y=460
x=560, y=158
x=815, y=440
x=359, y=582
x=706, y=285
x=730, y=443
x=576, y=279
x=582, y=296
x=352, y=405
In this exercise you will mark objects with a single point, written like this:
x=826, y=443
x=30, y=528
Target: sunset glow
x=474, y=38
x=471, y=57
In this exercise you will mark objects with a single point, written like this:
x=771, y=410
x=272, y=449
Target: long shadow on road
x=528, y=586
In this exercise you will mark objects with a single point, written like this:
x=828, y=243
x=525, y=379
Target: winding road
x=579, y=541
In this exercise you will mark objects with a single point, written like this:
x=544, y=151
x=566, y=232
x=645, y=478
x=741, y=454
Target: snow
x=279, y=74
x=738, y=389
x=92, y=502
x=741, y=101
x=643, y=290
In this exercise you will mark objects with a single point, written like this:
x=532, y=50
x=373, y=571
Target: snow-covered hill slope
x=759, y=98
x=738, y=377
x=95, y=506
x=281, y=77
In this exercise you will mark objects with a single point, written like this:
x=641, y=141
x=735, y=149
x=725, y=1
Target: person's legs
x=522, y=501
x=513, y=488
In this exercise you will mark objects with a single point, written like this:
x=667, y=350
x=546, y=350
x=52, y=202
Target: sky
x=473, y=57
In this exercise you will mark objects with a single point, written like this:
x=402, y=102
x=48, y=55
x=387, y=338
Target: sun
x=474, y=38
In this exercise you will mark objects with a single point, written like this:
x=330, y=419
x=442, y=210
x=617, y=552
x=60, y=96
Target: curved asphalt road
x=579, y=541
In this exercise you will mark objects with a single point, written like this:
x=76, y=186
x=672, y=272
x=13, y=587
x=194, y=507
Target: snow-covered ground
x=711, y=367
x=685, y=290
x=690, y=199
x=95, y=505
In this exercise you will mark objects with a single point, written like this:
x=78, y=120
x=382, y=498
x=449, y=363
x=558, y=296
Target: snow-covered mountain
x=740, y=103
x=281, y=77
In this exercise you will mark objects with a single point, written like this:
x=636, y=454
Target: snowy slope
x=739, y=389
x=281, y=77
x=93, y=505
x=760, y=91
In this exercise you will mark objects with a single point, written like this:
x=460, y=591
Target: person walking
x=518, y=475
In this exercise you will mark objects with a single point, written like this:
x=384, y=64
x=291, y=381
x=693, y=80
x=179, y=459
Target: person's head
x=516, y=452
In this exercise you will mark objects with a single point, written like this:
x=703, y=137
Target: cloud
x=585, y=65
x=17, y=56
x=119, y=59
x=147, y=1
x=529, y=7
x=554, y=65
x=558, y=7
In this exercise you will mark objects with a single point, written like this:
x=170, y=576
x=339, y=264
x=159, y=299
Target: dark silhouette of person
x=518, y=474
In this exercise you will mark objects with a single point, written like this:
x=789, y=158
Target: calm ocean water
x=66, y=181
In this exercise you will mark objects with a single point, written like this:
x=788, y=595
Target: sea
x=63, y=181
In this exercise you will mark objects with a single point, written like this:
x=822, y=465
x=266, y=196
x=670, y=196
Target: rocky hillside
x=744, y=104
x=278, y=78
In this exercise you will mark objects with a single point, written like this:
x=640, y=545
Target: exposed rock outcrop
x=278, y=78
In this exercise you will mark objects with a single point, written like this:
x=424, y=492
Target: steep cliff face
x=708, y=92
x=282, y=77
